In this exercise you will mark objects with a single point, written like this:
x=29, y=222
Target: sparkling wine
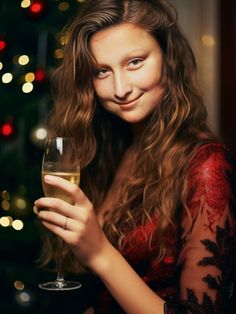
x=52, y=191
x=60, y=159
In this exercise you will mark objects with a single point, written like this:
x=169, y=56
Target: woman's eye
x=101, y=73
x=135, y=63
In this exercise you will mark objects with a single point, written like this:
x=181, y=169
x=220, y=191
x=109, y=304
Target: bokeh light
x=29, y=77
x=23, y=60
x=63, y=6
x=7, y=78
x=27, y=87
x=25, y=4
x=18, y=224
x=19, y=285
x=208, y=40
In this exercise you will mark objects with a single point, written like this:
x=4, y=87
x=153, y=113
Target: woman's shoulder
x=212, y=157
x=212, y=171
x=211, y=182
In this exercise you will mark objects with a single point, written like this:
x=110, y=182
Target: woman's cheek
x=102, y=88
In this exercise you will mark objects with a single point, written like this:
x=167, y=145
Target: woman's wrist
x=101, y=261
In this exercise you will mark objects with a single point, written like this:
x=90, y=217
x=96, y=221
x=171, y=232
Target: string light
x=19, y=285
x=7, y=129
x=29, y=77
x=58, y=53
x=23, y=60
x=7, y=78
x=24, y=298
x=39, y=135
x=20, y=203
x=5, y=195
x=5, y=205
x=63, y=40
x=208, y=40
x=40, y=75
x=5, y=221
x=5, y=200
x=25, y=4
x=63, y=6
x=36, y=8
x=27, y=87
x=17, y=224
x=3, y=45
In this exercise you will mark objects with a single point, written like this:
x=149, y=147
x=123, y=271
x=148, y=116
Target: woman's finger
x=58, y=220
x=62, y=233
x=71, y=189
x=53, y=218
x=58, y=206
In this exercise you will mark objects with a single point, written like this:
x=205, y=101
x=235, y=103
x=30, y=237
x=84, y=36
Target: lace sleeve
x=207, y=256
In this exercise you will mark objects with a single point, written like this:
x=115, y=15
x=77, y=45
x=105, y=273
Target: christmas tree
x=30, y=49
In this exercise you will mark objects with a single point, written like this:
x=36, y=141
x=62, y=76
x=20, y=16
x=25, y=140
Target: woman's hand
x=76, y=224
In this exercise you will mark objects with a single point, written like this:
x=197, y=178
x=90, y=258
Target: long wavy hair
x=177, y=127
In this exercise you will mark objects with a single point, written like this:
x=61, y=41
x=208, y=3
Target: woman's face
x=128, y=73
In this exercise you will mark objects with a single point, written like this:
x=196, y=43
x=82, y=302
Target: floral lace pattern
x=197, y=275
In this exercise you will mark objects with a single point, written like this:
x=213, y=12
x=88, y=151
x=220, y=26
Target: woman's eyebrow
x=125, y=58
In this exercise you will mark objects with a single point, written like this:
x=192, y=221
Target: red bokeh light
x=7, y=129
x=40, y=75
x=2, y=44
x=36, y=8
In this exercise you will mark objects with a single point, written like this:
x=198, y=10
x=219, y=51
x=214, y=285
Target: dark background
x=35, y=34
x=227, y=60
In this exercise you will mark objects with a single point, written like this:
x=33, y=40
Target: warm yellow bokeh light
x=5, y=195
x=5, y=221
x=17, y=224
x=63, y=6
x=23, y=60
x=208, y=40
x=63, y=40
x=19, y=285
x=25, y=4
x=27, y=87
x=5, y=205
x=41, y=133
x=29, y=77
x=1, y=65
x=7, y=78
x=20, y=203
x=58, y=54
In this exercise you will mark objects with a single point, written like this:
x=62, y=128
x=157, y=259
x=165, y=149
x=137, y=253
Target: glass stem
x=59, y=259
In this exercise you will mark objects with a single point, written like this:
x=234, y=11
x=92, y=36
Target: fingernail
x=35, y=210
x=48, y=178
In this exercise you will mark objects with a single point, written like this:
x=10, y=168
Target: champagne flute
x=60, y=159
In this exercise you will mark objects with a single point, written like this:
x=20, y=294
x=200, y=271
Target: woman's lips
x=128, y=105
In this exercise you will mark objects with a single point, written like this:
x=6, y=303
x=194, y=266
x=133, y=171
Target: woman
x=154, y=217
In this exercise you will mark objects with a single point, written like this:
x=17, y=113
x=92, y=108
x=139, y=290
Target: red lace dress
x=197, y=274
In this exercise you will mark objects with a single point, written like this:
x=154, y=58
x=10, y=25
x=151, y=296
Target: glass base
x=60, y=285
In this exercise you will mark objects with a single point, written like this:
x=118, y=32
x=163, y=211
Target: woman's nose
x=122, y=85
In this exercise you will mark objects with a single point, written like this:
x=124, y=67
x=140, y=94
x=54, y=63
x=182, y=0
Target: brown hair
x=171, y=136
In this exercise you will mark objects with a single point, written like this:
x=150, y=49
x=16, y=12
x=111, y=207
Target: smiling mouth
x=126, y=104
